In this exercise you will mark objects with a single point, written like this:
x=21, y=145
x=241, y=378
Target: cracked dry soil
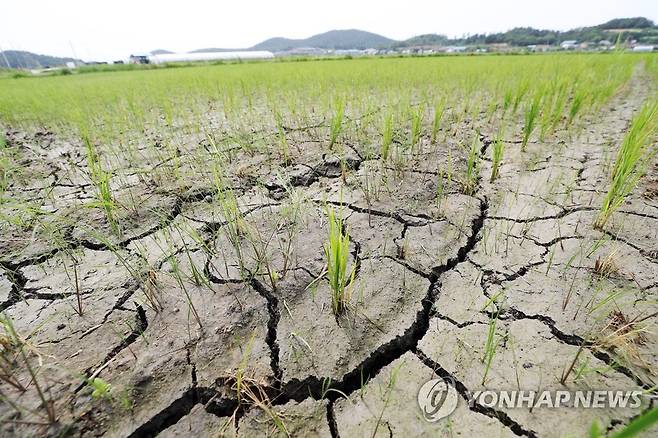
x=426, y=275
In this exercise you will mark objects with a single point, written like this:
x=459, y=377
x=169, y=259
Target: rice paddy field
x=295, y=248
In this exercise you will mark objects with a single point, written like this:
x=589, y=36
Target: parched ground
x=175, y=314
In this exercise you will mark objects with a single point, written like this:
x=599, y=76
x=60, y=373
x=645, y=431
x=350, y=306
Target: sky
x=107, y=30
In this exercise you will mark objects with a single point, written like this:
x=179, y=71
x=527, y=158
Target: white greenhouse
x=208, y=56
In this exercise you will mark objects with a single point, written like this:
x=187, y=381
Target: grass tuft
x=337, y=252
x=631, y=163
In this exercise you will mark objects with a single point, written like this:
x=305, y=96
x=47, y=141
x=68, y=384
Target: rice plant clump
x=101, y=179
x=436, y=122
x=4, y=165
x=530, y=119
x=337, y=253
x=337, y=121
x=472, y=168
x=631, y=161
x=387, y=137
x=496, y=158
x=416, y=126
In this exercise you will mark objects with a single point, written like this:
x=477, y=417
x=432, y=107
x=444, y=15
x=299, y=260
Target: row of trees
x=640, y=29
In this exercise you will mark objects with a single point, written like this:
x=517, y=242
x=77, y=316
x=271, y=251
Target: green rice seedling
x=585, y=369
x=178, y=276
x=497, y=151
x=281, y=134
x=631, y=162
x=399, y=157
x=521, y=91
x=76, y=280
x=507, y=100
x=369, y=187
x=337, y=253
x=530, y=119
x=491, y=109
x=100, y=388
x=557, y=110
x=440, y=188
x=240, y=374
x=388, y=392
x=336, y=126
x=436, y=122
x=387, y=137
x=291, y=212
x=553, y=113
x=5, y=165
x=472, y=167
x=491, y=344
x=101, y=179
x=236, y=227
x=196, y=275
x=365, y=123
x=577, y=103
x=416, y=126
x=476, y=109
x=259, y=245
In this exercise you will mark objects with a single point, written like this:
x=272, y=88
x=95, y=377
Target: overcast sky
x=113, y=29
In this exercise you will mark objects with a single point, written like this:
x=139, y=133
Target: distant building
x=643, y=48
x=303, y=51
x=539, y=48
x=139, y=59
x=207, y=56
x=569, y=45
x=349, y=52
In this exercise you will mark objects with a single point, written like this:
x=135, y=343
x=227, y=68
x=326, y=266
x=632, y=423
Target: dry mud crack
x=429, y=279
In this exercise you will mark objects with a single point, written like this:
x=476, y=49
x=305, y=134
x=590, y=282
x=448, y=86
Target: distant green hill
x=334, y=39
x=430, y=39
x=640, y=29
x=628, y=23
x=22, y=59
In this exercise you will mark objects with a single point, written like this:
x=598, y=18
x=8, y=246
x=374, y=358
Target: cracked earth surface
x=426, y=275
